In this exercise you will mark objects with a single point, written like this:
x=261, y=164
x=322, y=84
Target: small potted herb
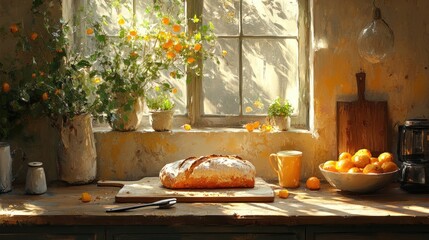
x=279, y=113
x=161, y=107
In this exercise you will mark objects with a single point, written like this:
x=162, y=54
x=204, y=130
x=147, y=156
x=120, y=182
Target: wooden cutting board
x=150, y=189
x=362, y=123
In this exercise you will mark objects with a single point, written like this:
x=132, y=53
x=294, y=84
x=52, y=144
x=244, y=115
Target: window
x=266, y=57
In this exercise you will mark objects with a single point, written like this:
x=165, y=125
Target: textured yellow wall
x=402, y=80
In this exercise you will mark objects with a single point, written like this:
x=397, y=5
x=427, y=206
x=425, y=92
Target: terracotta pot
x=127, y=119
x=161, y=120
x=77, y=157
x=283, y=123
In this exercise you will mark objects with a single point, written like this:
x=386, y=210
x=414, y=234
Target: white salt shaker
x=36, y=181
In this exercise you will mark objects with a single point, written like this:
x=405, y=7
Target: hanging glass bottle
x=376, y=40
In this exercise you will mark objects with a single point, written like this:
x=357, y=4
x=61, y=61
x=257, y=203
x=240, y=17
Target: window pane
x=113, y=10
x=220, y=82
x=270, y=17
x=223, y=14
x=270, y=70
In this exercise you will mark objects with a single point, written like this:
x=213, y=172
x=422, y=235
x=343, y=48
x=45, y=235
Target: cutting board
x=150, y=189
x=362, y=123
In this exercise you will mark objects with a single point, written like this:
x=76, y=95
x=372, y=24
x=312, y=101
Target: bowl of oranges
x=360, y=172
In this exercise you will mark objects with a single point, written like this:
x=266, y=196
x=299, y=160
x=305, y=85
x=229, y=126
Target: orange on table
x=385, y=157
x=284, y=193
x=389, y=167
x=313, y=183
x=361, y=161
x=372, y=168
x=85, y=197
x=363, y=151
x=344, y=155
x=344, y=165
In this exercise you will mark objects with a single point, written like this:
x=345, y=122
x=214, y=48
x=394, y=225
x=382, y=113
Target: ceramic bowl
x=358, y=182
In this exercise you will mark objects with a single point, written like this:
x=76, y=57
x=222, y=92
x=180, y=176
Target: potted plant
x=59, y=83
x=279, y=113
x=132, y=61
x=161, y=107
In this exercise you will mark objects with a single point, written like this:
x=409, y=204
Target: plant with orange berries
x=57, y=80
x=11, y=106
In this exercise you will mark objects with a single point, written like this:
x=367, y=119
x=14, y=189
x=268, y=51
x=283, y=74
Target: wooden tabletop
x=61, y=205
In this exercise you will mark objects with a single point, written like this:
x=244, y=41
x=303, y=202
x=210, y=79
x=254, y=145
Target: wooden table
x=304, y=215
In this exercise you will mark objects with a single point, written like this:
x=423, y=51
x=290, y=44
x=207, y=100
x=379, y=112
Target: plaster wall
x=402, y=80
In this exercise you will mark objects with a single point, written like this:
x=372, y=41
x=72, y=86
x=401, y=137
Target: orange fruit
x=330, y=165
x=389, y=167
x=5, y=87
x=373, y=160
x=361, y=161
x=385, y=157
x=284, y=193
x=249, y=127
x=85, y=197
x=354, y=170
x=13, y=28
x=45, y=96
x=344, y=165
x=313, y=183
x=363, y=151
x=34, y=36
x=344, y=155
x=372, y=168
x=256, y=124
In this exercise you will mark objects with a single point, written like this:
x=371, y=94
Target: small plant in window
x=161, y=99
x=280, y=107
x=279, y=113
x=161, y=106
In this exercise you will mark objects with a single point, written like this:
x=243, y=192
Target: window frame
x=195, y=87
x=194, y=95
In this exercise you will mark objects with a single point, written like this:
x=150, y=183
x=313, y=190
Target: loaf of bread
x=213, y=171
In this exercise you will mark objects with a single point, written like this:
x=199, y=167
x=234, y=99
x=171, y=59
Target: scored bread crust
x=213, y=171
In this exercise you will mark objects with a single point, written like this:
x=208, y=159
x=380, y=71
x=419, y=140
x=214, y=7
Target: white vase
x=282, y=122
x=77, y=157
x=161, y=120
x=127, y=119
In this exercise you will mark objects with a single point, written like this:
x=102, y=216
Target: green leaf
x=83, y=63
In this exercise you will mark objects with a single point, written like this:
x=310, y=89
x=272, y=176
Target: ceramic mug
x=287, y=165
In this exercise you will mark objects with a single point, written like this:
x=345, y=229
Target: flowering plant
x=57, y=79
x=153, y=53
